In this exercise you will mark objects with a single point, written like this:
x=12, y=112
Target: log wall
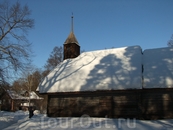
x=140, y=104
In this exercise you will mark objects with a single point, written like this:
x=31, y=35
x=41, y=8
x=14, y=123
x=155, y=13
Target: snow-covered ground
x=19, y=121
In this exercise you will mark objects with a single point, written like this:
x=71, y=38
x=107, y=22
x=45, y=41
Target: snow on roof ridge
x=113, y=48
x=158, y=48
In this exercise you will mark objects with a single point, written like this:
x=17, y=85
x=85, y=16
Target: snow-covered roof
x=158, y=68
x=109, y=69
x=14, y=95
x=33, y=95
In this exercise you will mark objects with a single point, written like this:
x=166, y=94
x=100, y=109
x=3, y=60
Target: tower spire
x=71, y=45
x=72, y=22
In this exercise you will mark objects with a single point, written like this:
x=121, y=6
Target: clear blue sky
x=99, y=24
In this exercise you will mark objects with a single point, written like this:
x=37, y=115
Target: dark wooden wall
x=71, y=50
x=6, y=102
x=140, y=104
x=157, y=103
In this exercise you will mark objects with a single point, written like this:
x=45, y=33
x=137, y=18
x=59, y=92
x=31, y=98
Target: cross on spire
x=72, y=22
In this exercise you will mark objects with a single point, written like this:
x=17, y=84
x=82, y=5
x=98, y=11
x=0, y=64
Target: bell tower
x=71, y=45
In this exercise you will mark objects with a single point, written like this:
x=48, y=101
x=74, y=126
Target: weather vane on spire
x=72, y=22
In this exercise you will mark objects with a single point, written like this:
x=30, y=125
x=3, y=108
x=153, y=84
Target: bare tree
x=170, y=42
x=29, y=81
x=15, y=49
x=19, y=85
x=45, y=73
x=36, y=79
x=55, y=58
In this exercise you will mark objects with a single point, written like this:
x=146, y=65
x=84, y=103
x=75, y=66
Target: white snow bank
x=108, y=69
x=41, y=122
x=9, y=118
x=158, y=68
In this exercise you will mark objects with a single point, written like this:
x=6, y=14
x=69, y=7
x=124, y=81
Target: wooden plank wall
x=157, y=104
x=140, y=104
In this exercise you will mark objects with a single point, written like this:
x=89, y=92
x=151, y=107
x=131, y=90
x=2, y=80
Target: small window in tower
x=68, y=49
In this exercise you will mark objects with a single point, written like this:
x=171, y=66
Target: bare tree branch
x=15, y=50
x=55, y=58
x=170, y=42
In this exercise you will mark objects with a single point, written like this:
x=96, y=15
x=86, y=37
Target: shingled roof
x=71, y=39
